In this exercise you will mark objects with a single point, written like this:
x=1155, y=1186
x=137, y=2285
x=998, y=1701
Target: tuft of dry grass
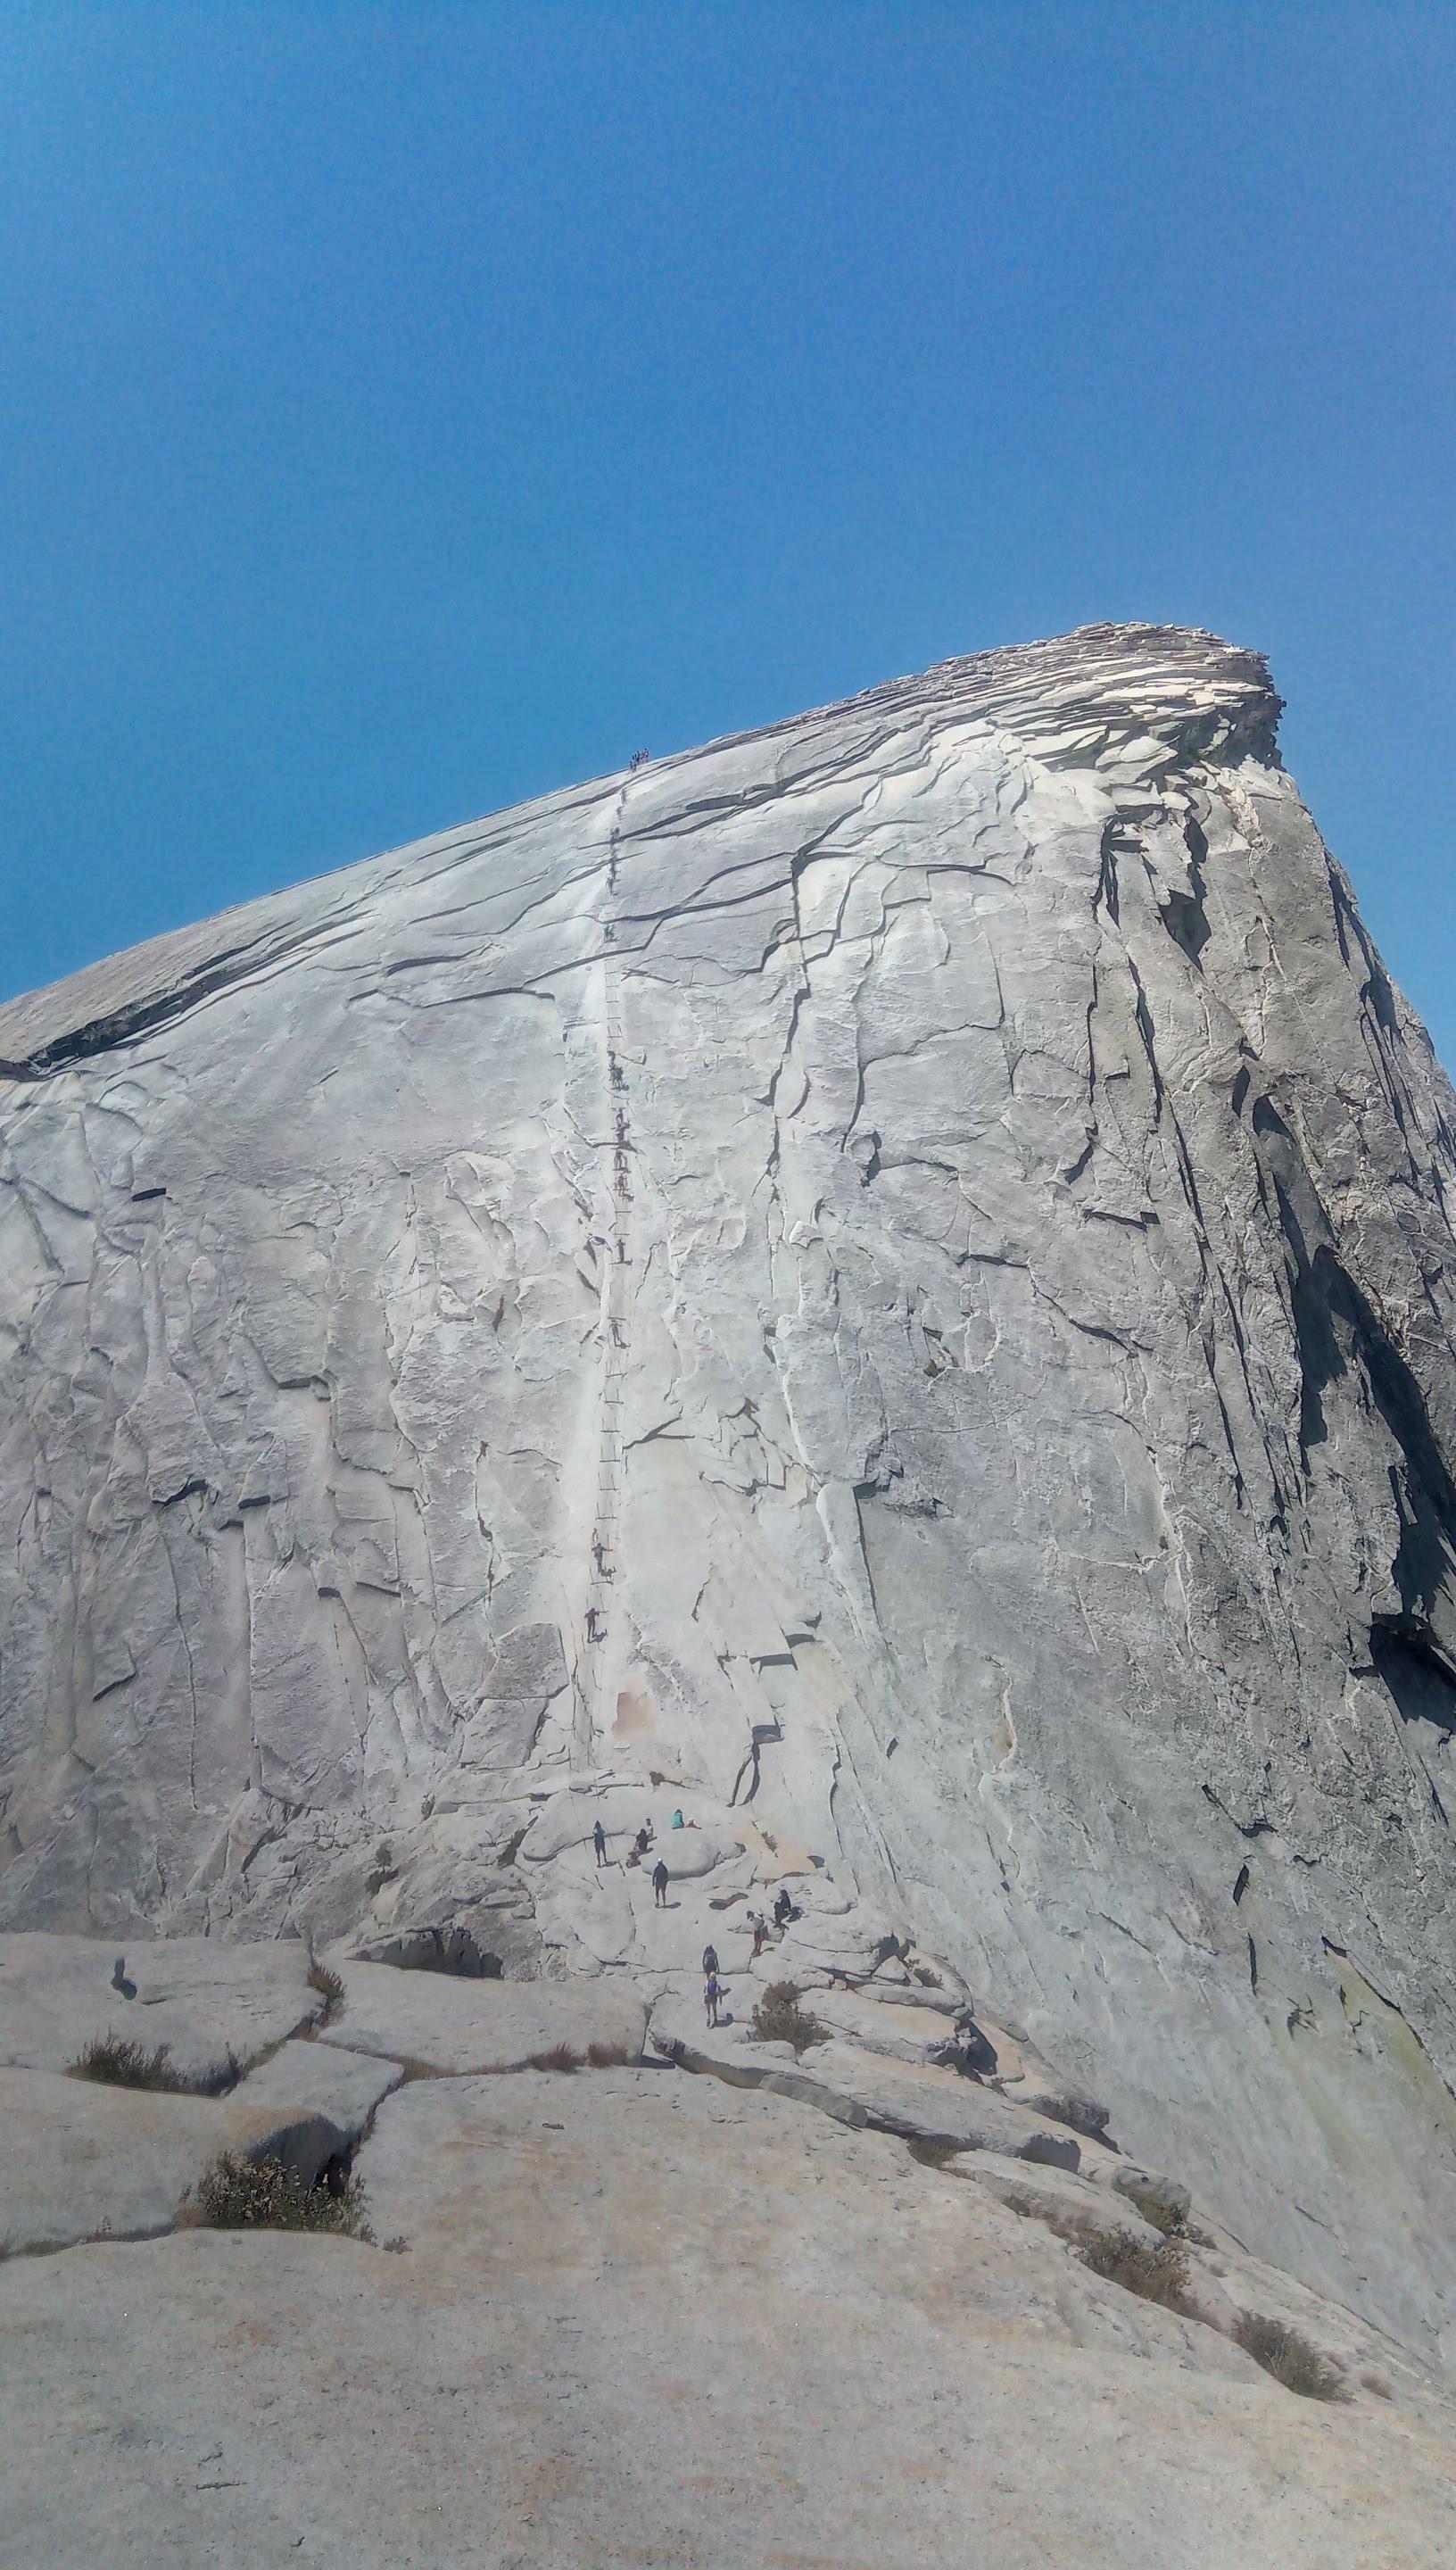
x=1375, y=2382
x=609, y=2057
x=1157, y=2271
x=116, y=2061
x=264, y=2195
x=329, y=1986
x=781, y=2017
x=1290, y=2358
x=558, y=2056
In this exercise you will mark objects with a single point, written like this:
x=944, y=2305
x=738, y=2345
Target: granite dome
x=892, y=1273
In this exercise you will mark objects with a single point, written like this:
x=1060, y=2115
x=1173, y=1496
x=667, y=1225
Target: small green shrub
x=264, y=2195
x=780, y=2017
x=117, y=2063
x=558, y=2056
x=382, y=1871
x=1158, y=2271
x=1290, y=2357
x=329, y=1988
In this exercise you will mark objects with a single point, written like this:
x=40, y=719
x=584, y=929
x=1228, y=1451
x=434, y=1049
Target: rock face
x=213, y=2011
x=891, y=1277
x=646, y=2319
x=609, y=2311
x=441, y=2026
x=91, y=2162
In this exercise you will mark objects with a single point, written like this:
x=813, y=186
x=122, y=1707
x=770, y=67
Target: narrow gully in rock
x=602, y=1637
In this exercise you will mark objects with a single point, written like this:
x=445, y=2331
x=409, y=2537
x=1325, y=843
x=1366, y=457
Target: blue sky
x=405, y=411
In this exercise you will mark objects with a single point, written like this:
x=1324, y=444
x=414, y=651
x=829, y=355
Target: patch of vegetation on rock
x=1157, y=2270
x=558, y=2056
x=382, y=1871
x=1290, y=2358
x=116, y=2061
x=781, y=2017
x=329, y=1986
x=265, y=2195
x=1157, y=2204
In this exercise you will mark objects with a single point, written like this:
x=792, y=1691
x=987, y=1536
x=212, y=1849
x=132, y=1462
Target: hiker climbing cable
x=598, y=1841
x=712, y=1993
x=659, y=1884
x=710, y=1958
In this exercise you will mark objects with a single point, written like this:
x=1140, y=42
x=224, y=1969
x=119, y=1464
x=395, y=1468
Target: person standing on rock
x=759, y=1924
x=659, y=1884
x=598, y=1841
x=712, y=1993
x=710, y=1958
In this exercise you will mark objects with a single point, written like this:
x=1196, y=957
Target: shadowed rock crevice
x=1420, y=1678
x=1337, y=1333
x=454, y=1950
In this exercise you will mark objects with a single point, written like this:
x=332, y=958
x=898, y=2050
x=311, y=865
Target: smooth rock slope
x=886, y=1284
x=618, y=2313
